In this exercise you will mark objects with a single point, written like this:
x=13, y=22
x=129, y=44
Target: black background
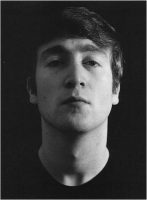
x=21, y=131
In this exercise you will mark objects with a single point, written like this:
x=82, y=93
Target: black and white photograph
x=73, y=76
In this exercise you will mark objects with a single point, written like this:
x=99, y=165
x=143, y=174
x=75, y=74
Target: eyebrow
x=90, y=48
x=59, y=49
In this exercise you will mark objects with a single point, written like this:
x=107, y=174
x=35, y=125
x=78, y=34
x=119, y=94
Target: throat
x=73, y=171
x=74, y=160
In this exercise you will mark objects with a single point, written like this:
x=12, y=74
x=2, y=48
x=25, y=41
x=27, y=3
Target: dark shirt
x=29, y=179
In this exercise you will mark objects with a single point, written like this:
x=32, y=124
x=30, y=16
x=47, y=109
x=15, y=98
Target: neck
x=74, y=160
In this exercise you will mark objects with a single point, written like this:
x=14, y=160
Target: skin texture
x=74, y=72
x=74, y=133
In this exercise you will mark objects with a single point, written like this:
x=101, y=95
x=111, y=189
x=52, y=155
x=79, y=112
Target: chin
x=76, y=129
x=76, y=125
x=80, y=123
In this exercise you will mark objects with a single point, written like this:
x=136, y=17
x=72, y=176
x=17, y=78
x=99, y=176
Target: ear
x=32, y=95
x=115, y=96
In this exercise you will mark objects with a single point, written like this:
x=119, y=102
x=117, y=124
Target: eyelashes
x=57, y=62
x=92, y=63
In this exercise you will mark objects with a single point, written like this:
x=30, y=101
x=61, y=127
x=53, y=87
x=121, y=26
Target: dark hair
x=79, y=22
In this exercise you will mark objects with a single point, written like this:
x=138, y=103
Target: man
x=76, y=82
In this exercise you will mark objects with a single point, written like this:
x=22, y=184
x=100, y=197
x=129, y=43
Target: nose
x=75, y=76
x=72, y=83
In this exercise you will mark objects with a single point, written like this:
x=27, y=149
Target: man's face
x=74, y=84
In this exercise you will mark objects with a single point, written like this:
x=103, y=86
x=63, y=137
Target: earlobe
x=32, y=96
x=33, y=99
x=115, y=98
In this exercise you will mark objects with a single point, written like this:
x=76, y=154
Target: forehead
x=72, y=45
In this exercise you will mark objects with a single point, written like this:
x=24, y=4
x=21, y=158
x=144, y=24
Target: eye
x=54, y=63
x=91, y=63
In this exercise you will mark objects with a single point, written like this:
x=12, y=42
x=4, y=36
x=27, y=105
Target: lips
x=71, y=100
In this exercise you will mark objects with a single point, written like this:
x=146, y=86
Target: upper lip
x=73, y=99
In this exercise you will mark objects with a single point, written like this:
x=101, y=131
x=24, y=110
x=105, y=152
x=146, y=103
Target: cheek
x=46, y=86
x=103, y=90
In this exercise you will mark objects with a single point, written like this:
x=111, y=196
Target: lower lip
x=76, y=103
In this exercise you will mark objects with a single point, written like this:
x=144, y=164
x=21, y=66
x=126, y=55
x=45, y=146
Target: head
x=79, y=56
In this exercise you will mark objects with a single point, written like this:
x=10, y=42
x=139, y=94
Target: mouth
x=75, y=100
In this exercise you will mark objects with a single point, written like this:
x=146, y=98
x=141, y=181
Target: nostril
x=82, y=84
x=70, y=84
